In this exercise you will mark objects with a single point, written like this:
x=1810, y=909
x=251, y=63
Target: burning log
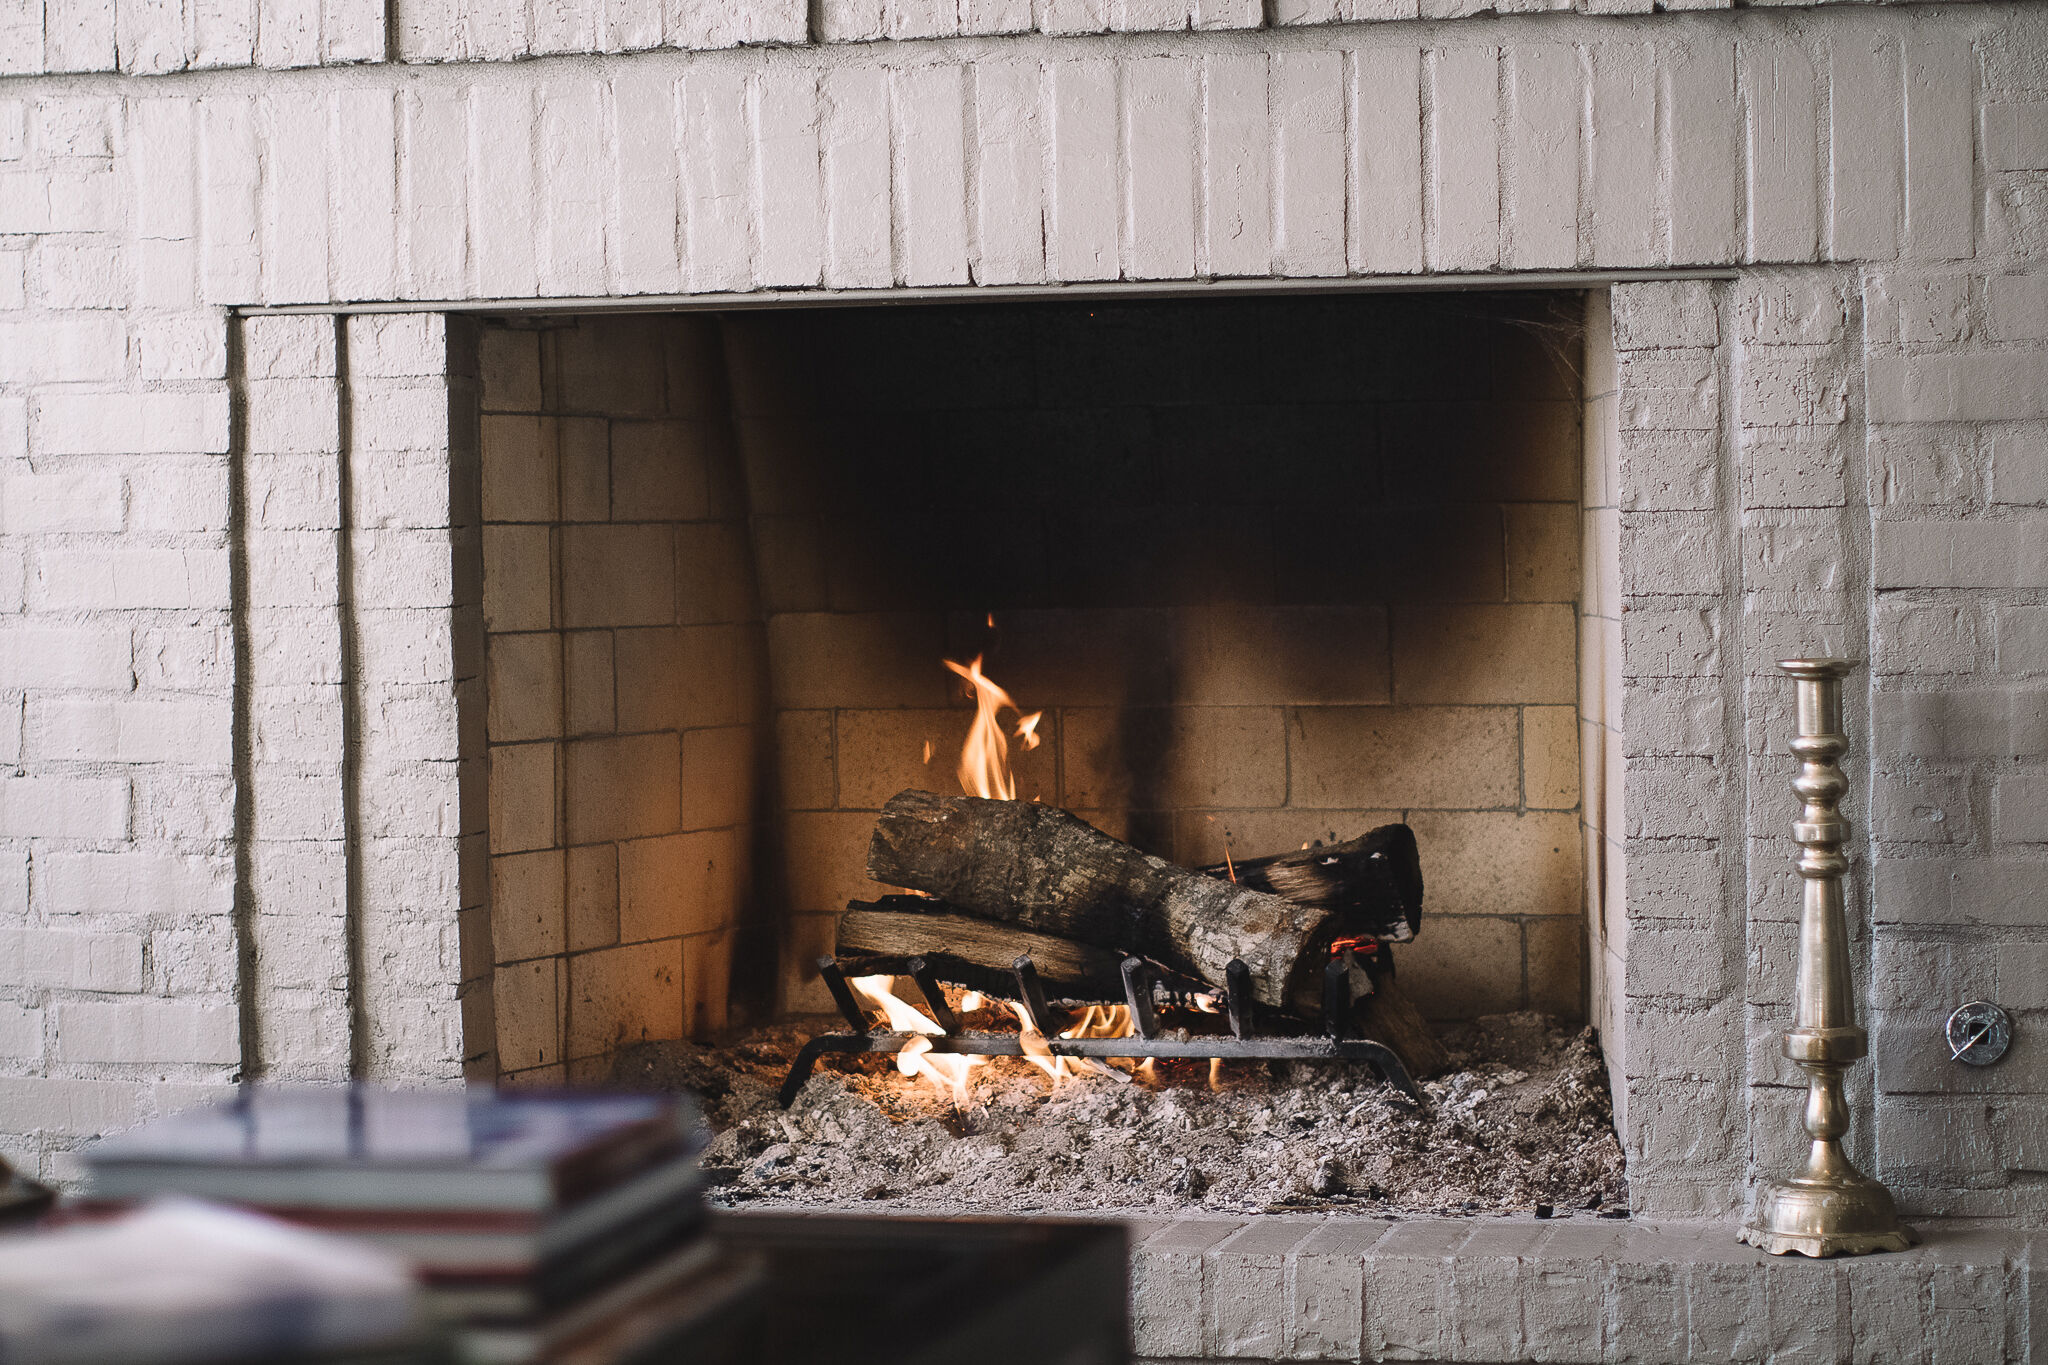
x=972, y=952
x=1374, y=883
x=1052, y=873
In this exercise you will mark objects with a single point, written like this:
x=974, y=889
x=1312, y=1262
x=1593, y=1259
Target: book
x=668, y=1302
x=181, y=1280
x=501, y=1242
x=363, y=1147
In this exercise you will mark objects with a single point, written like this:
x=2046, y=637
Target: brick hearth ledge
x=1592, y=1292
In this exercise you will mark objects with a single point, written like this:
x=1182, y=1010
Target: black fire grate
x=1244, y=1042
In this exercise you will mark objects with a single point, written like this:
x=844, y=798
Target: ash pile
x=1518, y=1122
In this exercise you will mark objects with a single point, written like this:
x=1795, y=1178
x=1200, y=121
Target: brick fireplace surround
x=244, y=805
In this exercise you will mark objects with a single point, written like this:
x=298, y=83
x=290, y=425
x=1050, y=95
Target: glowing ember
x=985, y=757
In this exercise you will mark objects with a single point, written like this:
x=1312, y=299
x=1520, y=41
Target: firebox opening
x=1274, y=570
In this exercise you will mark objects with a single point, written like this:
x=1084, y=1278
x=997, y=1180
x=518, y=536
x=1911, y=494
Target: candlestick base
x=1843, y=1213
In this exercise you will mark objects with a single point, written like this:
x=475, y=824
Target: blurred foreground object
x=180, y=1280
x=22, y=1199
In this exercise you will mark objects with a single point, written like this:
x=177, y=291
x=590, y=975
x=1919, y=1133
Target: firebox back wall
x=1324, y=586
x=1326, y=590
x=1274, y=570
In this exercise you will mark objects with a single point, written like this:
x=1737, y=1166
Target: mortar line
x=351, y=709
x=248, y=1021
x=1735, y=688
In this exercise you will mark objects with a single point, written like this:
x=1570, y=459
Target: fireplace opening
x=1267, y=573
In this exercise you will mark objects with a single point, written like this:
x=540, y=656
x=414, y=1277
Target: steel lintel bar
x=992, y=293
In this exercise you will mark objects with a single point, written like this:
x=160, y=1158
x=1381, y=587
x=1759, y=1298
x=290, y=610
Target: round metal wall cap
x=1979, y=1033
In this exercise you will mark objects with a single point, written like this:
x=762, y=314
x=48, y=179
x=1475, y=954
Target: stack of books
x=534, y=1221
x=179, y=1281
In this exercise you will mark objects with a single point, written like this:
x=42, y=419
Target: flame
x=1096, y=1021
x=949, y=1071
x=985, y=757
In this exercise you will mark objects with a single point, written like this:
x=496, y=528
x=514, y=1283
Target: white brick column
x=415, y=570
x=1680, y=1055
x=296, y=860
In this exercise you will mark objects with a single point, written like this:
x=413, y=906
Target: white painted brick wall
x=1863, y=140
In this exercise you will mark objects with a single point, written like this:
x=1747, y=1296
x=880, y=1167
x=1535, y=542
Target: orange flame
x=1097, y=1021
x=985, y=757
x=948, y=1071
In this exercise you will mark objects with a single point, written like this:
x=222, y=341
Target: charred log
x=1052, y=873
x=1372, y=884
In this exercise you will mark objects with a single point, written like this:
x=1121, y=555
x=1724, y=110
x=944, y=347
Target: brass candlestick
x=1829, y=1208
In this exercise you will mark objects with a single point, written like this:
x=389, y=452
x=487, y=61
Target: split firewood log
x=1051, y=872
x=973, y=952
x=1372, y=883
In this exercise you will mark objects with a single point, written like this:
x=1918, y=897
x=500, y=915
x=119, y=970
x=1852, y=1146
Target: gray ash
x=1521, y=1120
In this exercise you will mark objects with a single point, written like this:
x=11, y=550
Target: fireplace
x=1273, y=570
x=260, y=322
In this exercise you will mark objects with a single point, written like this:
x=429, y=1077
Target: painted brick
x=1326, y=1291
x=1239, y=1321
x=1008, y=201
x=1158, y=158
x=785, y=124
x=1865, y=127
x=1166, y=1285
x=1939, y=70
x=1704, y=155
x=1083, y=221
x=1922, y=639
x=719, y=233
x=131, y=423
x=74, y=1108
x=1783, y=200
x=854, y=138
x=71, y=501
x=64, y=807
x=293, y=146
x=2022, y=805
x=1623, y=198
x=1921, y=808
x=433, y=133
x=69, y=349
x=147, y=1031
x=931, y=174
x=1386, y=161
x=1960, y=554
x=1237, y=207
x=1308, y=163
x=1541, y=212
x=1465, y=153
x=71, y=960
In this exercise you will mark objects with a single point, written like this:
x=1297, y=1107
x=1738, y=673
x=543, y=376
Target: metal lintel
x=1083, y=291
